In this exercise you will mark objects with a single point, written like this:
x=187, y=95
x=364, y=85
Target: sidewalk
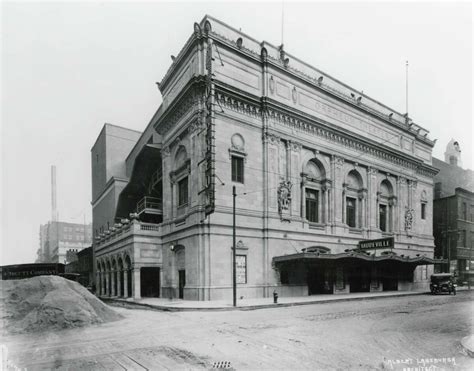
x=251, y=304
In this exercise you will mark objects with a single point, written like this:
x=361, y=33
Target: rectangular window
x=183, y=192
x=462, y=238
x=464, y=211
x=351, y=212
x=312, y=205
x=423, y=211
x=383, y=218
x=237, y=169
x=241, y=268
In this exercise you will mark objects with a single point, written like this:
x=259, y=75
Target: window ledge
x=355, y=230
x=313, y=225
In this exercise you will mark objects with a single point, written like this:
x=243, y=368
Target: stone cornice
x=316, y=83
x=190, y=43
x=296, y=120
x=189, y=99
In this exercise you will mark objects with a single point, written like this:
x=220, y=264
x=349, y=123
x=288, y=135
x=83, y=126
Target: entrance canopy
x=317, y=257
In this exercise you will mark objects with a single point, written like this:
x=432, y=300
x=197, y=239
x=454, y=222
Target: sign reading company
x=382, y=243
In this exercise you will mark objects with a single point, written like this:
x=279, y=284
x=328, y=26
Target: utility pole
x=234, y=273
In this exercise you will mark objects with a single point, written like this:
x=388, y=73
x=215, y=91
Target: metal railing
x=149, y=203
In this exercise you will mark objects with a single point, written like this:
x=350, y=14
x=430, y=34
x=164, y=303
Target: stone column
x=330, y=212
x=363, y=201
x=397, y=225
x=337, y=164
x=114, y=283
x=125, y=283
x=119, y=282
x=372, y=198
x=343, y=205
x=97, y=282
x=303, y=196
x=107, y=281
x=136, y=288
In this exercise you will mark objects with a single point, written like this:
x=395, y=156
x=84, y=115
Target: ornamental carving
x=294, y=146
x=401, y=181
x=294, y=95
x=237, y=142
x=197, y=28
x=284, y=196
x=271, y=138
x=195, y=126
x=372, y=171
x=409, y=218
x=271, y=84
x=423, y=196
x=339, y=161
x=165, y=152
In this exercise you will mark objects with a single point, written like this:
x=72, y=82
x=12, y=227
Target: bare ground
x=366, y=334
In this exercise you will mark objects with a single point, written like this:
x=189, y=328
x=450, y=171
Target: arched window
x=314, y=192
x=385, y=202
x=352, y=199
x=179, y=180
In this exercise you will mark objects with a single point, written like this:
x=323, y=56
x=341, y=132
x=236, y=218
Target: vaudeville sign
x=382, y=243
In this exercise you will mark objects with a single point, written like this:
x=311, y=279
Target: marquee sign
x=382, y=243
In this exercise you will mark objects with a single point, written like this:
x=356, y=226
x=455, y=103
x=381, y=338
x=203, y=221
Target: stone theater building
x=318, y=166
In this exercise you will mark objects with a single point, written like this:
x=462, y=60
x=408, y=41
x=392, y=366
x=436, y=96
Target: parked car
x=442, y=282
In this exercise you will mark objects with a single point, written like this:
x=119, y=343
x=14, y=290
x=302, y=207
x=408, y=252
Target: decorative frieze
x=326, y=133
x=186, y=105
x=238, y=105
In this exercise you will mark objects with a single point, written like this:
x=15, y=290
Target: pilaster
x=136, y=288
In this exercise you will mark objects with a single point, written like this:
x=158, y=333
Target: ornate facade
x=318, y=168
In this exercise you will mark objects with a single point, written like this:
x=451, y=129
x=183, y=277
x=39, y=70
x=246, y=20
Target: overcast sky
x=67, y=68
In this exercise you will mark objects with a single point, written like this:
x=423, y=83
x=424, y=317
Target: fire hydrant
x=275, y=297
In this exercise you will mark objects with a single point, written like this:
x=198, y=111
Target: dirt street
x=421, y=331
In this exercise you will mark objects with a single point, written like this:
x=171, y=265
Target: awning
x=312, y=257
x=146, y=164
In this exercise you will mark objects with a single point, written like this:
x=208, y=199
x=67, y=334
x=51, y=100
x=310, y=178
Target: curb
x=164, y=308
x=464, y=343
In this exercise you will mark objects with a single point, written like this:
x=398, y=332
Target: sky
x=68, y=68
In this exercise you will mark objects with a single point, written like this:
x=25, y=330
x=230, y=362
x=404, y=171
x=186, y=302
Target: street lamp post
x=234, y=273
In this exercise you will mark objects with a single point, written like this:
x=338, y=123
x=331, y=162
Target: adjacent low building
x=318, y=167
x=453, y=221
x=82, y=264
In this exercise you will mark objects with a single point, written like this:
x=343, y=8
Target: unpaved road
x=368, y=334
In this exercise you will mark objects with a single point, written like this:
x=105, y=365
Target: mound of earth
x=48, y=303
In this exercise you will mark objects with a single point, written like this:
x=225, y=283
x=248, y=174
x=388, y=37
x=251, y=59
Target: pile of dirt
x=50, y=302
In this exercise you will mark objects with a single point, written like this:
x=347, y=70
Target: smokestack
x=54, y=211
